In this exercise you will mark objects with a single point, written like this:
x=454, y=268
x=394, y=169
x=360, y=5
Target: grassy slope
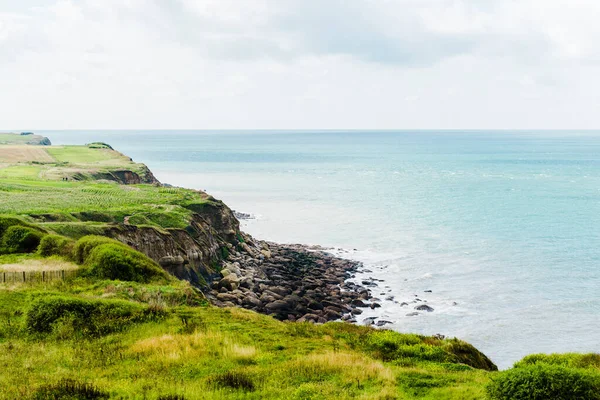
x=12, y=138
x=281, y=360
x=32, y=186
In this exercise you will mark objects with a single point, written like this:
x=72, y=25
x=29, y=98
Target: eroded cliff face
x=194, y=254
x=128, y=177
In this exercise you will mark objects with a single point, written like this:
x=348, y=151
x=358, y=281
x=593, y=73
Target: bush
x=7, y=222
x=398, y=347
x=84, y=317
x=86, y=244
x=68, y=389
x=118, y=262
x=466, y=353
x=55, y=245
x=573, y=360
x=21, y=239
x=545, y=382
x=107, y=258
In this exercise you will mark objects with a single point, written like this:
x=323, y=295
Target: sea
x=497, y=231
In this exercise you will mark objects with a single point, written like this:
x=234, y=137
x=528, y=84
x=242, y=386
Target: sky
x=299, y=64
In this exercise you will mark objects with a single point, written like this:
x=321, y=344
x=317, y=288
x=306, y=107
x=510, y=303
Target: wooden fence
x=36, y=276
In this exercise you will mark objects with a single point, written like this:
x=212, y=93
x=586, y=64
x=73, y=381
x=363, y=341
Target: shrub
x=466, y=353
x=86, y=244
x=7, y=222
x=107, y=258
x=574, y=360
x=85, y=317
x=118, y=262
x=21, y=239
x=55, y=245
x=544, y=382
x=68, y=389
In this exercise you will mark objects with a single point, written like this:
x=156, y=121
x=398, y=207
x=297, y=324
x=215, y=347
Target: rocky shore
x=291, y=282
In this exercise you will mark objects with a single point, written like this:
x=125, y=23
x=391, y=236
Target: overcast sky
x=299, y=64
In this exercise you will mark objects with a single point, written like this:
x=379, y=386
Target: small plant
x=234, y=380
x=191, y=323
x=69, y=389
x=171, y=397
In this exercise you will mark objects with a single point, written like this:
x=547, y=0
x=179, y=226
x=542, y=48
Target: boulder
x=251, y=301
x=277, y=306
x=230, y=282
x=358, y=303
x=424, y=307
x=227, y=297
x=225, y=272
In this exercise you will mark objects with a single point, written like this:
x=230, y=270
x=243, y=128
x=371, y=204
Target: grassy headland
x=122, y=328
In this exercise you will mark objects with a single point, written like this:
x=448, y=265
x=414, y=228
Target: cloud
x=298, y=63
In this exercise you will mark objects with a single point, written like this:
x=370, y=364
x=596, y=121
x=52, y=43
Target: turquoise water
x=502, y=227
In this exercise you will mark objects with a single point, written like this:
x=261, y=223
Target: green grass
x=202, y=352
x=86, y=155
x=25, y=172
x=98, y=202
x=11, y=138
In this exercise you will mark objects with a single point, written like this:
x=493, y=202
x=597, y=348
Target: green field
x=11, y=138
x=86, y=155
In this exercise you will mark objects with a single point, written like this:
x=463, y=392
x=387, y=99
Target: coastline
x=291, y=282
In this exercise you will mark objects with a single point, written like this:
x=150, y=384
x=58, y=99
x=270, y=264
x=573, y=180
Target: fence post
x=23, y=276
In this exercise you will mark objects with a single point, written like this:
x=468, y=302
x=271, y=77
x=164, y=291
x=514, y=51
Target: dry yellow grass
x=350, y=365
x=175, y=347
x=38, y=265
x=25, y=153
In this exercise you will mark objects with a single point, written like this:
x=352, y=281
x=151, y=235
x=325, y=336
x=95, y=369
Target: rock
x=251, y=301
x=403, y=304
x=428, y=291
x=383, y=322
x=439, y=336
x=412, y=314
x=357, y=311
x=358, y=303
x=369, y=320
x=280, y=290
x=277, y=306
x=314, y=305
x=227, y=297
x=230, y=282
x=266, y=253
x=225, y=272
x=375, y=305
x=424, y=307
